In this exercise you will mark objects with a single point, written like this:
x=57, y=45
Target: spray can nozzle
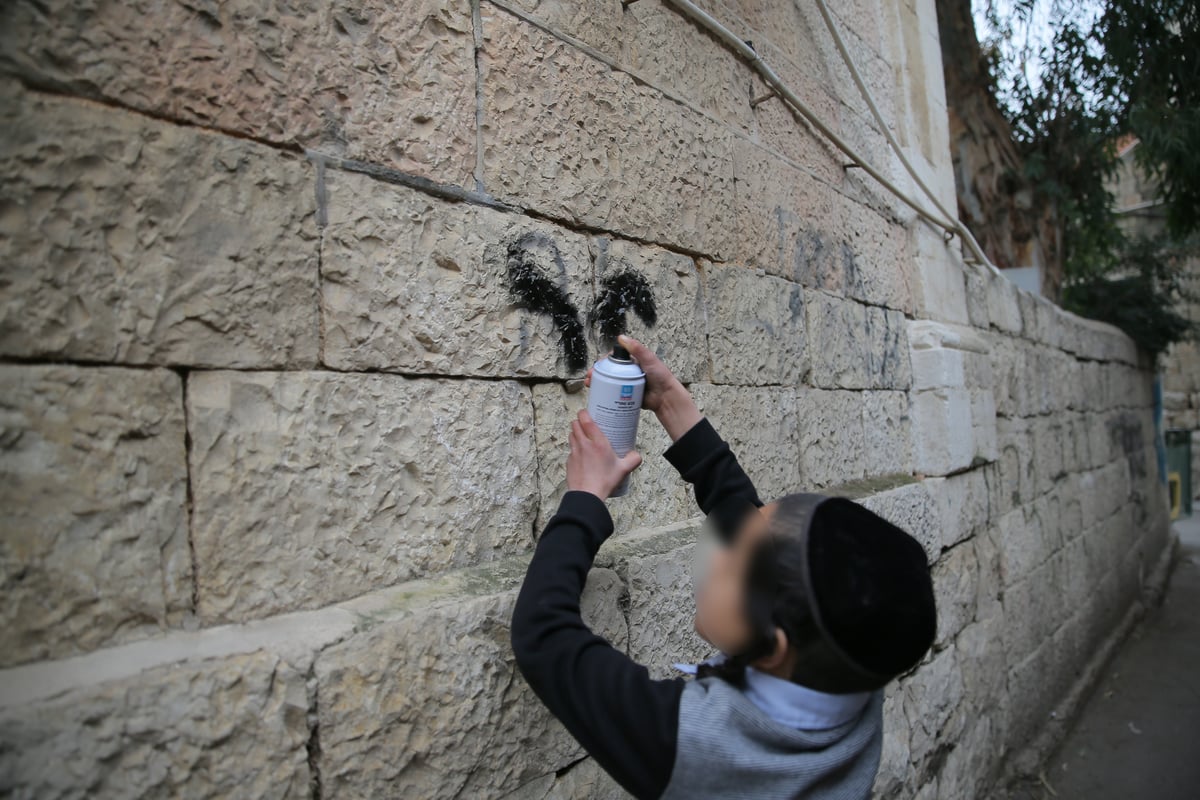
x=621, y=354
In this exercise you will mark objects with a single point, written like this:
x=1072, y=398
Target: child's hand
x=593, y=465
x=665, y=395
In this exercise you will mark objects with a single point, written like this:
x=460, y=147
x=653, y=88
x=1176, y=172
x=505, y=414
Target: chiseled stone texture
x=93, y=483
x=855, y=346
x=565, y=134
x=418, y=284
x=583, y=779
x=832, y=444
x=678, y=335
x=210, y=729
x=798, y=228
x=756, y=327
x=887, y=433
x=429, y=703
x=314, y=487
x=662, y=610
x=380, y=81
x=655, y=43
x=763, y=427
x=657, y=495
x=124, y=239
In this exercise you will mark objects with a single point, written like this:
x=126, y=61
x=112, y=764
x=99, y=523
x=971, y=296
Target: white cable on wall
x=946, y=221
x=961, y=229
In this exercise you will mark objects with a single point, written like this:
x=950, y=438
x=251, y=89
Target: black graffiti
x=533, y=290
x=621, y=293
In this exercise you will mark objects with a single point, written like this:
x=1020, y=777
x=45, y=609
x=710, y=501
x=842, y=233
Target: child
x=814, y=603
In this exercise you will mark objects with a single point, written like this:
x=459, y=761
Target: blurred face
x=720, y=591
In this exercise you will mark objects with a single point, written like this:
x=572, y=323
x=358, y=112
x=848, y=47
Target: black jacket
x=625, y=720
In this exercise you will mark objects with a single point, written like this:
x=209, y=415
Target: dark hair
x=851, y=591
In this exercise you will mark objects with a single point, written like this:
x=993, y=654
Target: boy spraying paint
x=814, y=604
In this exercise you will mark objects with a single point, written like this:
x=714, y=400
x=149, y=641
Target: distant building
x=1140, y=207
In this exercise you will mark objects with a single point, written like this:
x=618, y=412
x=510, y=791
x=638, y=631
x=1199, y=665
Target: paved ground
x=1138, y=736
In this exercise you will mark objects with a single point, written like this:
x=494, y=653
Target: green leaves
x=1133, y=74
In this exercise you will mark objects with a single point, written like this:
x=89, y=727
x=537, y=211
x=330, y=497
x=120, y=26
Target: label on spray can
x=615, y=403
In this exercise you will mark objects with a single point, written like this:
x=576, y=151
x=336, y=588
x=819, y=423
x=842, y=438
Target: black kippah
x=871, y=587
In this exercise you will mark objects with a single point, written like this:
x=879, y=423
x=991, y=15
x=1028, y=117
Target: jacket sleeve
x=705, y=461
x=624, y=719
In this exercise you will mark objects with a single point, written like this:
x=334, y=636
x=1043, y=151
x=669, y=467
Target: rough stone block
x=662, y=610
x=314, y=487
x=1003, y=304
x=130, y=240
x=954, y=583
x=977, y=368
x=912, y=508
x=989, y=585
x=1045, y=514
x=940, y=289
x=569, y=136
x=93, y=480
x=658, y=45
x=887, y=433
x=1017, y=474
x=798, y=228
x=1033, y=610
x=763, y=428
x=583, y=779
x=377, y=81
x=963, y=502
x=943, y=438
x=783, y=222
x=832, y=438
x=428, y=702
x=983, y=425
x=1023, y=543
x=657, y=495
x=1041, y=679
x=976, y=277
x=895, y=769
x=786, y=132
x=1008, y=367
x=207, y=729
x=419, y=284
x=1050, y=446
x=937, y=368
x=878, y=271
x=932, y=695
x=855, y=346
x=969, y=766
x=983, y=662
x=678, y=337
x=756, y=327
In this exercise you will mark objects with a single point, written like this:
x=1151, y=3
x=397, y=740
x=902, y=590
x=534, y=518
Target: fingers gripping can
x=615, y=403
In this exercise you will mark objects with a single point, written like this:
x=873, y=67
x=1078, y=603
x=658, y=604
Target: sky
x=1030, y=31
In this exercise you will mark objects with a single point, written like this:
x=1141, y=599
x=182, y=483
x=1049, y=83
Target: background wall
x=1138, y=199
x=277, y=438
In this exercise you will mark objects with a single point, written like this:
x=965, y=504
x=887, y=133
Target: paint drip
x=621, y=293
x=533, y=290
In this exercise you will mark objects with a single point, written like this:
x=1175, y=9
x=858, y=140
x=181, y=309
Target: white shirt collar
x=794, y=705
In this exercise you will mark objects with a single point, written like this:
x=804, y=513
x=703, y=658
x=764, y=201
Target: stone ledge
x=297, y=635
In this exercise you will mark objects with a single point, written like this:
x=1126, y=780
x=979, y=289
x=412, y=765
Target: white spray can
x=615, y=403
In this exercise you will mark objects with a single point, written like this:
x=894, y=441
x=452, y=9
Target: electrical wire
x=961, y=229
x=947, y=222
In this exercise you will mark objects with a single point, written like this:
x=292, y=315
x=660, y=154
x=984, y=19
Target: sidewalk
x=1138, y=736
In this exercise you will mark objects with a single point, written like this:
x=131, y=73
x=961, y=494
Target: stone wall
x=1138, y=197
x=277, y=438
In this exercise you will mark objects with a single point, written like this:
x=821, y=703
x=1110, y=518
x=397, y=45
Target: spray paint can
x=615, y=403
